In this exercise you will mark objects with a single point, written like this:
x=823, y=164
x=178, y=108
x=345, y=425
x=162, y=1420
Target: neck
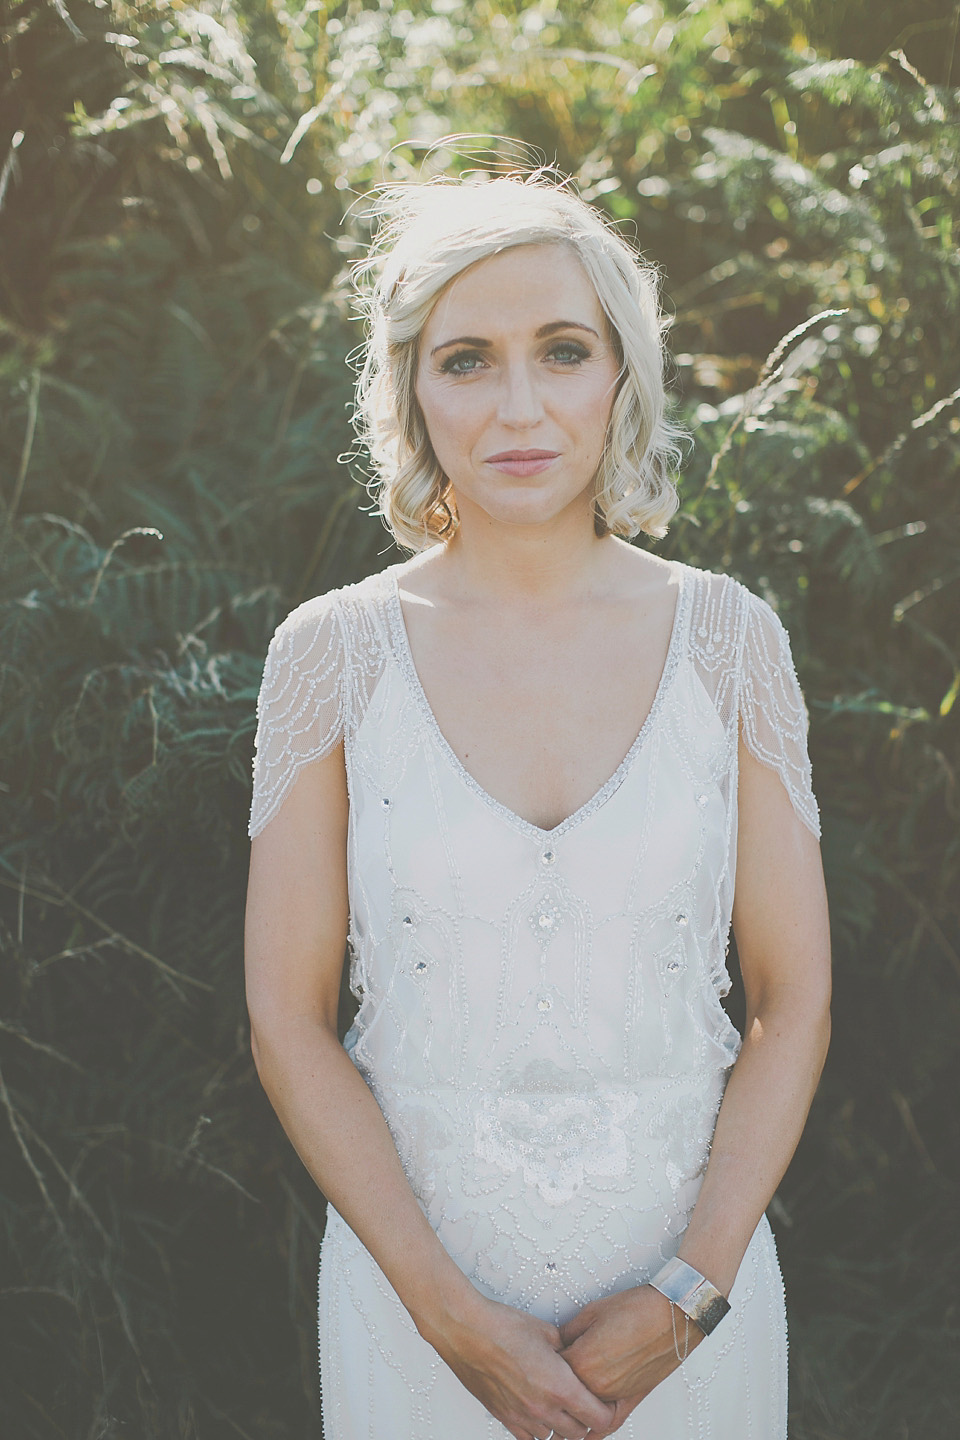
x=560, y=561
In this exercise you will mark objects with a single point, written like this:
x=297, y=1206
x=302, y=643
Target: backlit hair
x=430, y=232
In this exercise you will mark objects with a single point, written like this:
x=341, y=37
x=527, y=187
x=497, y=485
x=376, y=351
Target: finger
x=585, y=1409
x=577, y=1326
x=622, y=1409
x=570, y=1428
x=608, y=1429
x=571, y=1351
x=595, y=1433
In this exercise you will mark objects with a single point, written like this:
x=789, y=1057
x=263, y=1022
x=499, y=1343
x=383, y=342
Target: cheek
x=597, y=405
x=447, y=415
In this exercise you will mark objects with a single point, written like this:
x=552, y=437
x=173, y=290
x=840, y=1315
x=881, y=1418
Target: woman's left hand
x=622, y=1346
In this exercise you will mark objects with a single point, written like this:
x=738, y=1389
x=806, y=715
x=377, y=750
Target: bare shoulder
x=425, y=576
x=640, y=575
x=649, y=581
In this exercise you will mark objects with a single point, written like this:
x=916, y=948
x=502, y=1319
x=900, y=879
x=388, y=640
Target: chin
x=531, y=509
x=527, y=516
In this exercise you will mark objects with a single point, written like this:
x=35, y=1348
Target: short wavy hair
x=427, y=234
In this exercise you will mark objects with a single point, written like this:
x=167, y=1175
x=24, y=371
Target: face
x=516, y=381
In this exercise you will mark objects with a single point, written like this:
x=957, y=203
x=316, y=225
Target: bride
x=530, y=776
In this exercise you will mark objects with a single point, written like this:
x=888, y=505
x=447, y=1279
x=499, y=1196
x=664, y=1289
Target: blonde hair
x=429, y=233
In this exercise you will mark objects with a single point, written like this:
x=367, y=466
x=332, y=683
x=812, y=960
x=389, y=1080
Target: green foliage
x=180, y=198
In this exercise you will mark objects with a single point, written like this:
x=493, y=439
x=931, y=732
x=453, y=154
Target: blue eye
x=574, y=351
x=448, y=366
x=467, y=362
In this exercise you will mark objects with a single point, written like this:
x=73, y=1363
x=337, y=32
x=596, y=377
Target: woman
x=541, y=1103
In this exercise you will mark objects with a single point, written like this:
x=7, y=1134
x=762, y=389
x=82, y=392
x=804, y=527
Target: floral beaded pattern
x=555, y=1132
x=539, y=1016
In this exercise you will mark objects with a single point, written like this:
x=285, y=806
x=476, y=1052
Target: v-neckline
x=404, y=654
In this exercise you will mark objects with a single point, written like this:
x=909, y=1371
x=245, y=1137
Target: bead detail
x=547, y=857
x=545, y=920
x=545, y=1003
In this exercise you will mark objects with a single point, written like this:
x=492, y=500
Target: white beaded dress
x=539, y=1010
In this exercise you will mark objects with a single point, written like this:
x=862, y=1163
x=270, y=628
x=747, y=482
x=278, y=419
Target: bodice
x=539, y=1010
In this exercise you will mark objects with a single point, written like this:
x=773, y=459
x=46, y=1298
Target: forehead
x=529, y=283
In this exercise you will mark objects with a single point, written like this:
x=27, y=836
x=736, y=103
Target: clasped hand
x=584, y=1378
x=622, y=1346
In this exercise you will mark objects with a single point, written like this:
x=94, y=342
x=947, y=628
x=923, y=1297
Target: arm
x=781, y=924
x=296, y=923
x=622, y=1347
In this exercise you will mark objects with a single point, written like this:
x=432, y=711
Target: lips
x=523, y=462
x=521, y=455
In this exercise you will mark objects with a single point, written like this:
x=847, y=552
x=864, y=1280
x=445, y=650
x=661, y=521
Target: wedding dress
x=539, y=1010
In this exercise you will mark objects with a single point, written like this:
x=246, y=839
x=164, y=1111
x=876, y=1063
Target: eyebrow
x=480, y=344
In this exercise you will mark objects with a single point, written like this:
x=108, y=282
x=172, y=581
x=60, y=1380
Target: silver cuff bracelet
x=692, y=1293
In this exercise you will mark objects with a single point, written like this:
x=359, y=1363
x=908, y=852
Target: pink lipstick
x=522, y=462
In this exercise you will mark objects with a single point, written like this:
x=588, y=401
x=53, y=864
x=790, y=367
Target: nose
x=520, y=405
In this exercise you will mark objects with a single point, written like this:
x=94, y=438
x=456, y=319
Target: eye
x=569, y=352
x=453, y=365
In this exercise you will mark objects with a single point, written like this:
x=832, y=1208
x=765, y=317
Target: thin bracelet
x=686, y=1333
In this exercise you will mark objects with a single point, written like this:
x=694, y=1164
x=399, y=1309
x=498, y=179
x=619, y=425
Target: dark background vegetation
x=174, y=326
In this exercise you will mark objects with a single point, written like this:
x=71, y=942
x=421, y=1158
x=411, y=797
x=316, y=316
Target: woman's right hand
x=511, y=1362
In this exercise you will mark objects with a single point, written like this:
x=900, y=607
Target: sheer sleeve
x=772, y=710
x=300, y=707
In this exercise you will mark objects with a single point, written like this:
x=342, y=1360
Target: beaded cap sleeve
x=772, y=710
x=301, y=704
